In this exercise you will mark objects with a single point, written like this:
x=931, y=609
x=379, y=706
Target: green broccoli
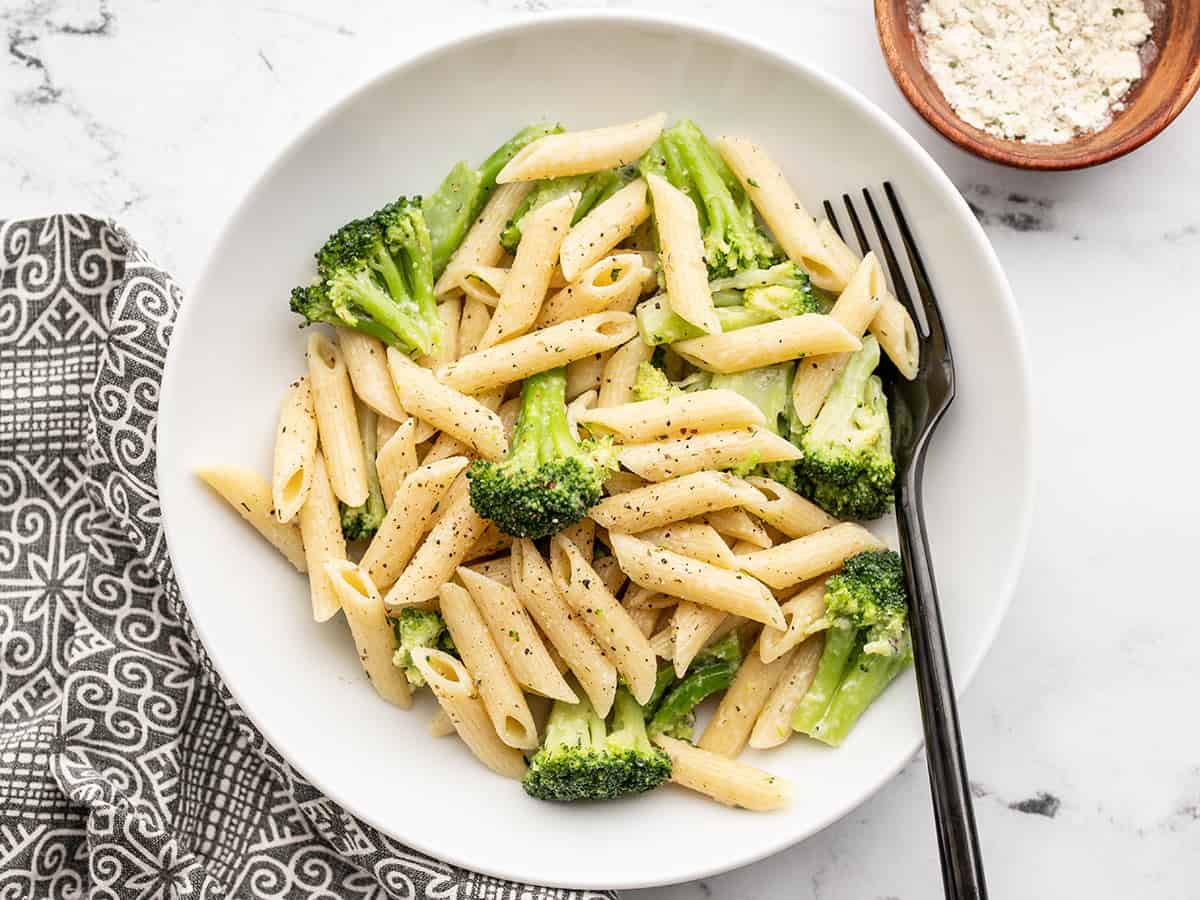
x=732, y=239
x=582, y=760
x=866, y=645
x=376, y=276
x=847, y=468
x=416, y=627
x=712, y=670
x=460, y=197
x=549, y=479
x=361, y=522
x=594, y=189
x=769, y=388
x=752, y=297
x=652, y=383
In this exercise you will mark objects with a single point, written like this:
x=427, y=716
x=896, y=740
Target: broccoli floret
x=549, y=479
x=415, y=628
x=712, y=670
x=581, y=760
x=870, y=592
x=752, y=297
x=732, y=239
x=460, y=197
x=361, y=522
x=376, y=275
x=866, y=645
x=847, y=468
x=652, y=383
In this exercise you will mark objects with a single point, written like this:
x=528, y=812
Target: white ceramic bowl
x=236, y=345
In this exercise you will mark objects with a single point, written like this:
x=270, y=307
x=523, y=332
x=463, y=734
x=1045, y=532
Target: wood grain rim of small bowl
x=1171, y=81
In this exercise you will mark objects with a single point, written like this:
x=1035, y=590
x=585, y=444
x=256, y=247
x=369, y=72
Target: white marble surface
x=1081, y=727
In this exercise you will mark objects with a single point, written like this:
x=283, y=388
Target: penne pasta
x=663, y=642
x=440, y=725
x=646, y=619
x=454, y=689
x=724, y=780
x=729, y=729
x=695, y=539
x=583, y=535
x=607, y=225
x=681, y=255
x=840, y=257
x=897, y=335
x=692, y=626
x=621, y=370
x=321, y=528
x=373, y=635
x=611, y=283
x=789, y=221
x=661, y=460
x=799, y=560
x=737, y=525
x=618, y=636
x=444, y=407
x=295, y=447
x=486, y=283
x=501, y=695
x=610, y=574
x=248, y=493
x=481, y=246
x=366, y=361
x=689, y=579
x=660, y=504
x=538, y=593
x=472, y=325
x=497, y=569
x=804, y=613
x=782, y=508
x=537, y=352
x=491, y=542
x=855, y=309
x=396, y=459
x=581, y=152
x=525, y=288
x=443, y=549
x=586, y=374
x=764, y=345
x=620, y=482
x=514, y=634
x=337, y=420
x=774, y=725
x=408, y=516
x=679, y=415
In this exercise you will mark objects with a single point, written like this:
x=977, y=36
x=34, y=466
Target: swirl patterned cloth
x=126, y=769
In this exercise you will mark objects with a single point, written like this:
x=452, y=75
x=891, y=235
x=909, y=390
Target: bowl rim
x=462, y=40
x=953, y=129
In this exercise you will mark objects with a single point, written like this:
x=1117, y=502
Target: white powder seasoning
x=1041, y=71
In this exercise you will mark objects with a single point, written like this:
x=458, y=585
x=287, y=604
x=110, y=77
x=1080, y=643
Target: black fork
x=916, y=407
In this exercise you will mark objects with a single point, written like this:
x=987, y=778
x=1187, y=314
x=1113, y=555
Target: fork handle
x=954, y=814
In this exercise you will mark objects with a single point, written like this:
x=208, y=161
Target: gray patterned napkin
x=126, y=769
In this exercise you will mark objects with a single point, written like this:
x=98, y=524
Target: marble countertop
x=1081, y=727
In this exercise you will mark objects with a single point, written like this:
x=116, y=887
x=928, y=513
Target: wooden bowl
x=1172, y=78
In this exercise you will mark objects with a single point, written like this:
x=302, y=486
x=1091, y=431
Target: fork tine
x=832, y=217
x=933, y=315
x=899, y=284
x=863, y=247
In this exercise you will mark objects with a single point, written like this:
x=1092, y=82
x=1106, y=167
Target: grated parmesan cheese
x=1042, y=71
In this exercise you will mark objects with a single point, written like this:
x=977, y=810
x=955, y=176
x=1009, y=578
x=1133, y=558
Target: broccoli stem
x=663, y=679
x=659, y=324
x=846, y=394
x=541, y=432
x=699, y=683
x=459, y=199
x=448, y=212
x=714, y=197
x=839, y=647
x=574, y=725
x=628, y=730
x=866, y=677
